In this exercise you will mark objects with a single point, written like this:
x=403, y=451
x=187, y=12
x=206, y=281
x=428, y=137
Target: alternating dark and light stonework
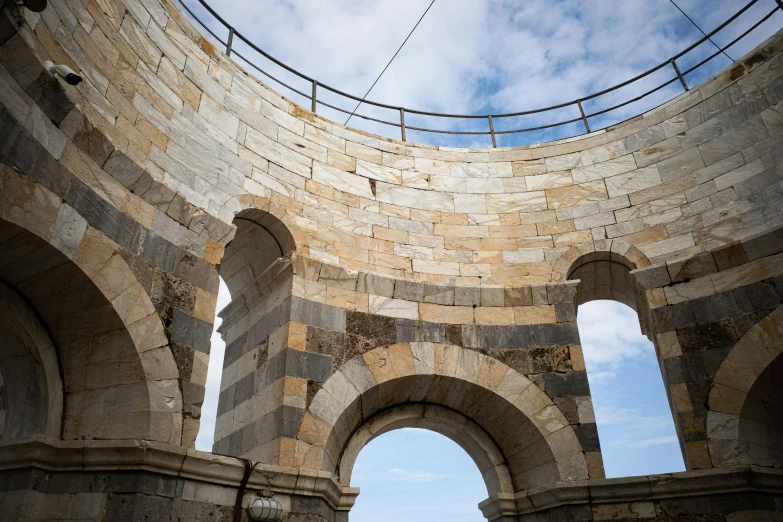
x=375, y=285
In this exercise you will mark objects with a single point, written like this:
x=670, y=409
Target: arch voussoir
x=484, y=405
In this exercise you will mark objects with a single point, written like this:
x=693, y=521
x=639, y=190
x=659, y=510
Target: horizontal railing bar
x=679, y=55
x=472, y=116
x=202, y=24
x=566, y=122
x=638, y=98
x=254, y=66
x=737, y=39
x=582, y=117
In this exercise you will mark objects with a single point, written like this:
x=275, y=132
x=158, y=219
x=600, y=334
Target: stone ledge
x=709, y=482
x=125, y=455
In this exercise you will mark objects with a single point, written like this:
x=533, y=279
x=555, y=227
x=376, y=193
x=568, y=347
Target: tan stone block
x=314, y=430
x=534, y=314
x=213, y=252
x=198, y=374
x=486, y=315
x=286, y=451
x=297, y=335
x=729, y=256
x=681, y=398
x=402, y=359
x=446, y=358
x=94, y=252
x=669, y=345
x=147, y=333
x=748, y=273
x=577, y=357
x=205, y=305
x=576, y=194
x=190, y=429
x=698, y=455
x=295, y=392
x=491, y=373
x=725, y=399
x=701, y=287
x=139, y=210
x=595, y=464
x=650, y=235
x=435, y=313
x=348, y=299
x=656, y=297
x=308, y=456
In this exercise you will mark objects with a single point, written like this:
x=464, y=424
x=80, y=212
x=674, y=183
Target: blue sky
x=479, y=56
x=484, y=56
x=415, y=475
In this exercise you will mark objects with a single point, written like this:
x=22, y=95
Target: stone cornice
x=140, y=455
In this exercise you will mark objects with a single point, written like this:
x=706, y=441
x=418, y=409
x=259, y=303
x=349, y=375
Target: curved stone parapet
x=170, y=166
x=187, y=125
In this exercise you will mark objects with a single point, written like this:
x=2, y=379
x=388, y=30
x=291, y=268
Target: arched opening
x=761, y=420
x=416, y=475
x=744, y=421
x=634, y=417
x=65, y=350
x=517, y=437
x=31, y=393
x=255, y=281
x=260, y=240
x=461, y=430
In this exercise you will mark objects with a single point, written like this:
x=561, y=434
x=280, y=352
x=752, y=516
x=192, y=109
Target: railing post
x=402, y=122
x=313, y=98
x=230, y=41
x=584, y=118
x=492, y=132
x=682, y=80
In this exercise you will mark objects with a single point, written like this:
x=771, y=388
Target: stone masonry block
x=652, y=277
x=756, y=296
x=569, y=384
x=714, y=308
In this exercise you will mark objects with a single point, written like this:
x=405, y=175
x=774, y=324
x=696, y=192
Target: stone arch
x=449, y=423
x=531, y=433
x=31, y=390
x=745, y=417
x=603, y=268
x=120, y=377
x=261, y=238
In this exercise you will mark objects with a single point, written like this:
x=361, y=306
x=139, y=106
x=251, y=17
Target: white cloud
x=476, y=56
x=399, y=475
x=610, y=335
x=655, y=441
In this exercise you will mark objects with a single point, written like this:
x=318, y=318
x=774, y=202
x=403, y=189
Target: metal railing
x=584, y=117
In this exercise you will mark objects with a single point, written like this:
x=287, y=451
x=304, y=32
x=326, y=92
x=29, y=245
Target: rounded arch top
x=744, y=415
x=476, y=442
x=119, y=375
x=502, y=411
x=263, y=234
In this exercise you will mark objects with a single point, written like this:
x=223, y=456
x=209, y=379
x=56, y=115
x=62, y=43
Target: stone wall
x=372, y=280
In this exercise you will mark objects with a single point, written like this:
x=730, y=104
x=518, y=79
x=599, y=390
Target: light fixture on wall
x=35, y=6
x=264, y=508
x=63, y=71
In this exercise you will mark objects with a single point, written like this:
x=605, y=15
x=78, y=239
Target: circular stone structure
x=375, y=285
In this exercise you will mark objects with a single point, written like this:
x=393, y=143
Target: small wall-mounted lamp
x=62, y=71
x=36, y=6
x=264, y=508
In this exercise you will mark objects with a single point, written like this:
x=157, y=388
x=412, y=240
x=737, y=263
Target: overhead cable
x=702, y=32
x=388, y=64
